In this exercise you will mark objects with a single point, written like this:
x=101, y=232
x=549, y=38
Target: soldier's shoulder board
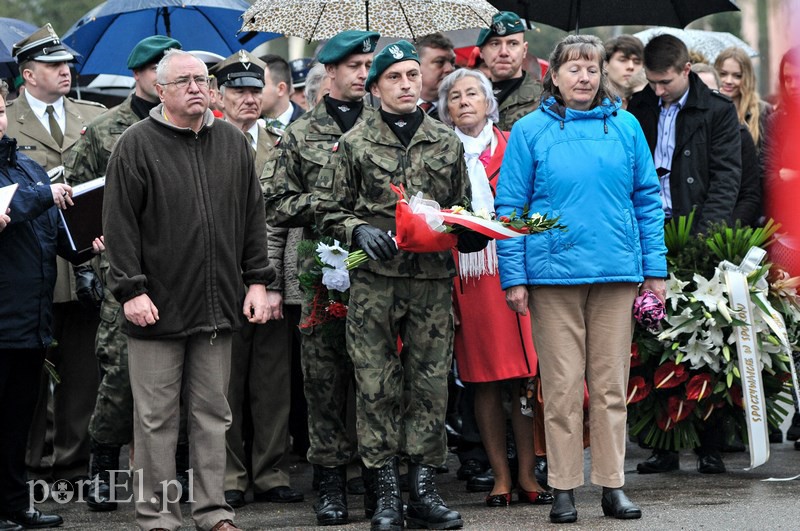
x=88, y=103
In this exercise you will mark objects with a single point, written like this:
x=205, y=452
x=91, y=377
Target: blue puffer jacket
x=594, y=170
x=28, y=248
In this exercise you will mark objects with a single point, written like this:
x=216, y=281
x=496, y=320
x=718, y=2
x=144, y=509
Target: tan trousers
x=157, y=368
x=584, y=332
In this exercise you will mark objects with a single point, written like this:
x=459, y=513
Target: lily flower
x=709, y=291
x=675, y=287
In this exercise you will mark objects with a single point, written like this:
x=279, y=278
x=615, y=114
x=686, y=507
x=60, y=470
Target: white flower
x=700, y=353
x=709, y=292
x=675, y=288
x=713, y=335
x=336, y=279
x=483, y=213
x=332, y=255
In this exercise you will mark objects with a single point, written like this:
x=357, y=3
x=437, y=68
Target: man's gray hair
x=447, y=84
x=313, y=83
x=169, y=55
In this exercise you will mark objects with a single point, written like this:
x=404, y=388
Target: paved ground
x=681, y=500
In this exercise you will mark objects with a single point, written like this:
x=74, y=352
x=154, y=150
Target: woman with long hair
x=738, y=78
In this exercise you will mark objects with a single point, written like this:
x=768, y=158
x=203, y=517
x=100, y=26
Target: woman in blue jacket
x=581, y=157
x=29, y=241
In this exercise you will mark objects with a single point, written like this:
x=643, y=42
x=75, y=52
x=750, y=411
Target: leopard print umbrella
x=315, y=20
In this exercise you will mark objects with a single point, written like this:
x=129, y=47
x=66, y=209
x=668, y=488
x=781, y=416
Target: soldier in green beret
x=398, y=293
x=111, y=424
x=305, y=148
x=503, y=49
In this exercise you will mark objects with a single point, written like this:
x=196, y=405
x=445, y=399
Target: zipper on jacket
x=213, y=336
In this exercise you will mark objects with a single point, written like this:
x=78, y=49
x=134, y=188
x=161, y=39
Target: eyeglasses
x=184, y=82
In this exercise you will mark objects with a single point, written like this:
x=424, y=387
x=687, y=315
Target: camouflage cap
x=347, y=43
x=503, y=23
x=42, y=45
x=150, y=50
x=241, y=69
x=393, y=53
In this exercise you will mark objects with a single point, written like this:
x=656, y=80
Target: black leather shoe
x=615, y=503
x=481, y=482
x=710, y=464
x=331, y=506
x=34, y=519
x=540, y=471
x=5, y=525
x=282, y=494
x=793, y=433
x=660, y=461
x=775, y=435
x=469, y=468
x=563, y=510
x=235, y=498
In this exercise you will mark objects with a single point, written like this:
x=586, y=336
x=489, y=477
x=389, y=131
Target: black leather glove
x=471, y=241
x=376, y=243
x=88, y=287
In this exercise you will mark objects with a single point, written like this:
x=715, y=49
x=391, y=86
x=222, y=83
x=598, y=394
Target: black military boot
x=331, y=506
x=388, y=512
x=182, y=469
x=370, y=496
x=104, y=458
x=425, y=507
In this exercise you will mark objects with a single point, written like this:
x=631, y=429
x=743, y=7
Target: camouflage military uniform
x=112, y=420
x=305, y=148
x=519, y=103
x=409, y=295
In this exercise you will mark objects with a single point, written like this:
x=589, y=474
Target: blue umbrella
x=11, y=31
x=105, y=35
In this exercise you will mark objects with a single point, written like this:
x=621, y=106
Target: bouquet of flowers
x=424, y=227
x=685, y=370
x=326, y=286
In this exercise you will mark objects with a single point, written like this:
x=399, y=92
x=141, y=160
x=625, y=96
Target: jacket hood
x=8, y=151
x=556, y=110
x=157, y=114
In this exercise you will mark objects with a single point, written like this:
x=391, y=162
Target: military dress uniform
x=74, y=326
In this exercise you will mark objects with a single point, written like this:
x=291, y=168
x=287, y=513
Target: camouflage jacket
x=353, y=188
x=305, y=147
x=519, y=103
x=89, y=157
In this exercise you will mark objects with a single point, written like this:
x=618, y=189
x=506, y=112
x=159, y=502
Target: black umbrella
x=571, y=15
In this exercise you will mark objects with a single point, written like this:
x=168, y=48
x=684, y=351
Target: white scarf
x=474, y=265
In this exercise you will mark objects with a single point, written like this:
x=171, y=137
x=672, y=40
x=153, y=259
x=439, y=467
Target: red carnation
x=337, y=309
x=638, y=389
x=669, y=375
x=699, y=387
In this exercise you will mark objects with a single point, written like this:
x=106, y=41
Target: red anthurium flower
x=679, y=408
x=699, y=387
x=736, y=395
x=669, y=375
x=638, y=389
x=635, y=360
x=784, y=377
x=664, y=422
x=709, y=410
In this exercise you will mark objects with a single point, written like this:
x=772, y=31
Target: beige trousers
x=157, y=369
x=582, y=332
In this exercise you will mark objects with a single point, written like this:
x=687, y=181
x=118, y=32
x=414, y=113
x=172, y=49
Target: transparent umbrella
x=708, y=43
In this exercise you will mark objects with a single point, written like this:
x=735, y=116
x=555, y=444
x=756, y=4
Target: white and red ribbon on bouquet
x=487, y=227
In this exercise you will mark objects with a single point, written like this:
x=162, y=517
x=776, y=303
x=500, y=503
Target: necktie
x=426, y=106
x=250, y=139
x=55, y=130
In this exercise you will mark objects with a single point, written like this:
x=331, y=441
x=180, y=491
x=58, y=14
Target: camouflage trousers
x=401, y=400
x=112, y=420
x=327, y=373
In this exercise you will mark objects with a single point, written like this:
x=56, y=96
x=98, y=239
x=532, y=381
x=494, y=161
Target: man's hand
x=4, y=220
x=62, y=195
x=88, y=287
x=255, y=304
x=98, y=245
x=658, y=286
x=517, y=299
x=141, y=311
x=274, y=305
x=376, y=243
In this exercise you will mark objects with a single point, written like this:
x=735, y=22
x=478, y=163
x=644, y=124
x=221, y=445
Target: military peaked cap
x=241, y=69
x=42, y=45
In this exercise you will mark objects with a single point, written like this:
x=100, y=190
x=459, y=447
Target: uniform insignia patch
x=83, y=130
x=335, y=147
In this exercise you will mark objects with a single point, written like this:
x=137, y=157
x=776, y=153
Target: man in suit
x=260, y=356
x=278, y=109
x=46, y=125
x=437, y=60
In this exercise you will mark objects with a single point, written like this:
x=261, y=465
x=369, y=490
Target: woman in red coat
x=493, y=345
